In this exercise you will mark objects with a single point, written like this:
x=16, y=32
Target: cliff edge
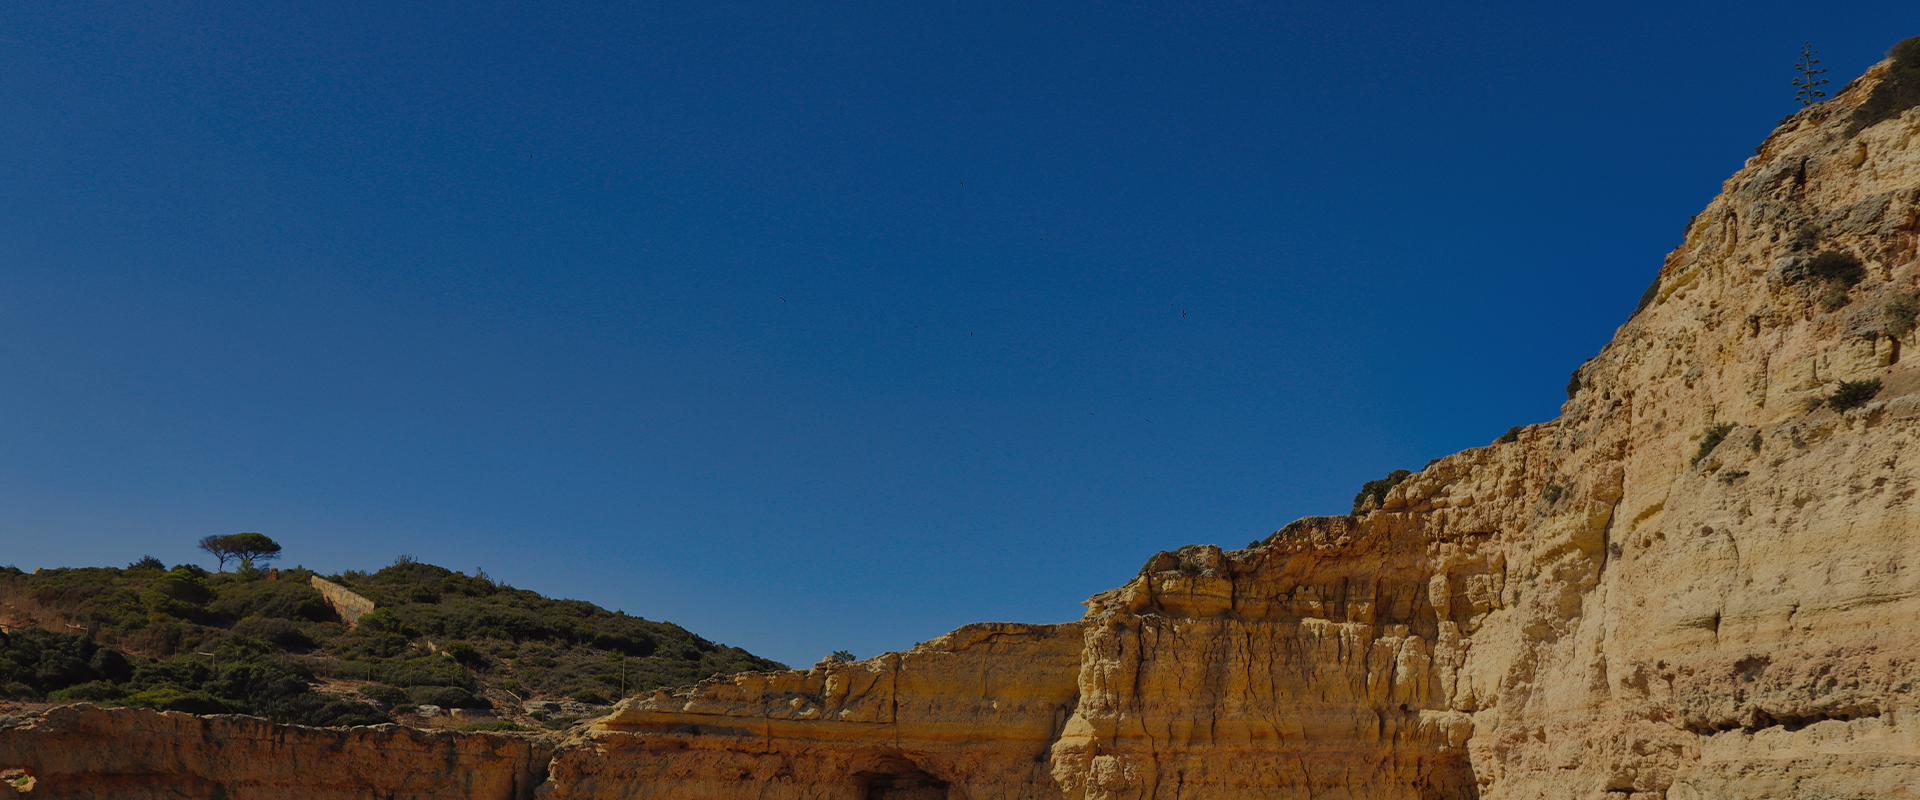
x=1609, y=605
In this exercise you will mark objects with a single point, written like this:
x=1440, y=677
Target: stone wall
x=348, y=605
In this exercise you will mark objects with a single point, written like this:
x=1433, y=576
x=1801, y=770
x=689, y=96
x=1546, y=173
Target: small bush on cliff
x=1837, y=266
x=1900, y=314
x=1839, y=271
x=382, y=693
x=1853, y=394
x=1376, y=490
x=1833, y=297
x=1897, y=92
x=1512, y=435
x=1714, y=435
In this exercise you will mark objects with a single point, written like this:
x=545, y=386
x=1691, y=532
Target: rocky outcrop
x=1697, y=582
x=970, y=714
x=87, y=753
x=1608, y=605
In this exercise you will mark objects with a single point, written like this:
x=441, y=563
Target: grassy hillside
x=268, y=644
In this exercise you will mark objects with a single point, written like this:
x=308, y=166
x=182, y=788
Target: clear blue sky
x=814, y=326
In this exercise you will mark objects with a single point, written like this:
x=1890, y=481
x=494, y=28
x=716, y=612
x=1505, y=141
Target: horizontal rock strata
x=87, y=753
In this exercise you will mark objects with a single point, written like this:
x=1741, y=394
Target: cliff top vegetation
x=267, y=643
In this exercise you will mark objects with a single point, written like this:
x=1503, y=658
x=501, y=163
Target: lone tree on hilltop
x=218, y=546
x=248, y=547
x=1808, y=87
x=251, y=547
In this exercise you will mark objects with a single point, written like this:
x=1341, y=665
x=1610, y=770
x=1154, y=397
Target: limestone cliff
x=88, y=753
x=1694, y=583
x=1588, y=610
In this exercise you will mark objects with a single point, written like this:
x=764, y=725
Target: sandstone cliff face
x=1584, y=612
x=87, y=753
x=970, y=714
x=1588, y=611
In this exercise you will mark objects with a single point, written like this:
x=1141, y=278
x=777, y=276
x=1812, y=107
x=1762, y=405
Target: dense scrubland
x=266, y=643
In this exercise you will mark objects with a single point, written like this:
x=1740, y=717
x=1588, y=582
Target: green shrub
x=1834, y=297
x=380, y=692
x=1837, y=266
x=277, y=632
x=1897, y=92
x=1376, y=490
x=1714, y=435
x=1552, y=492
x=446, y=697
x=380, y=620
x=1853, y=394
x=102, y=692
x=178, y=594
x=1512, y=435
x=281, y=599
x=1900, y=314
x=41, y=662
x=466, y=654
x=179, y=698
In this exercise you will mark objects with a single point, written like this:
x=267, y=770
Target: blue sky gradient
x=821, y=326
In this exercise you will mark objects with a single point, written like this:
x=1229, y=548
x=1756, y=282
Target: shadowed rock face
x=87, y=753
x=1601, y=607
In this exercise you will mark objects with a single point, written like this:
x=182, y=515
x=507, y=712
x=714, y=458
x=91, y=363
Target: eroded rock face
x=87, y=753
x=970, y=714
x=1597, y=609
x=1604, y=607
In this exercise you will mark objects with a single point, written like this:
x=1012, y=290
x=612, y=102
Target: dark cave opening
x=900, y=780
